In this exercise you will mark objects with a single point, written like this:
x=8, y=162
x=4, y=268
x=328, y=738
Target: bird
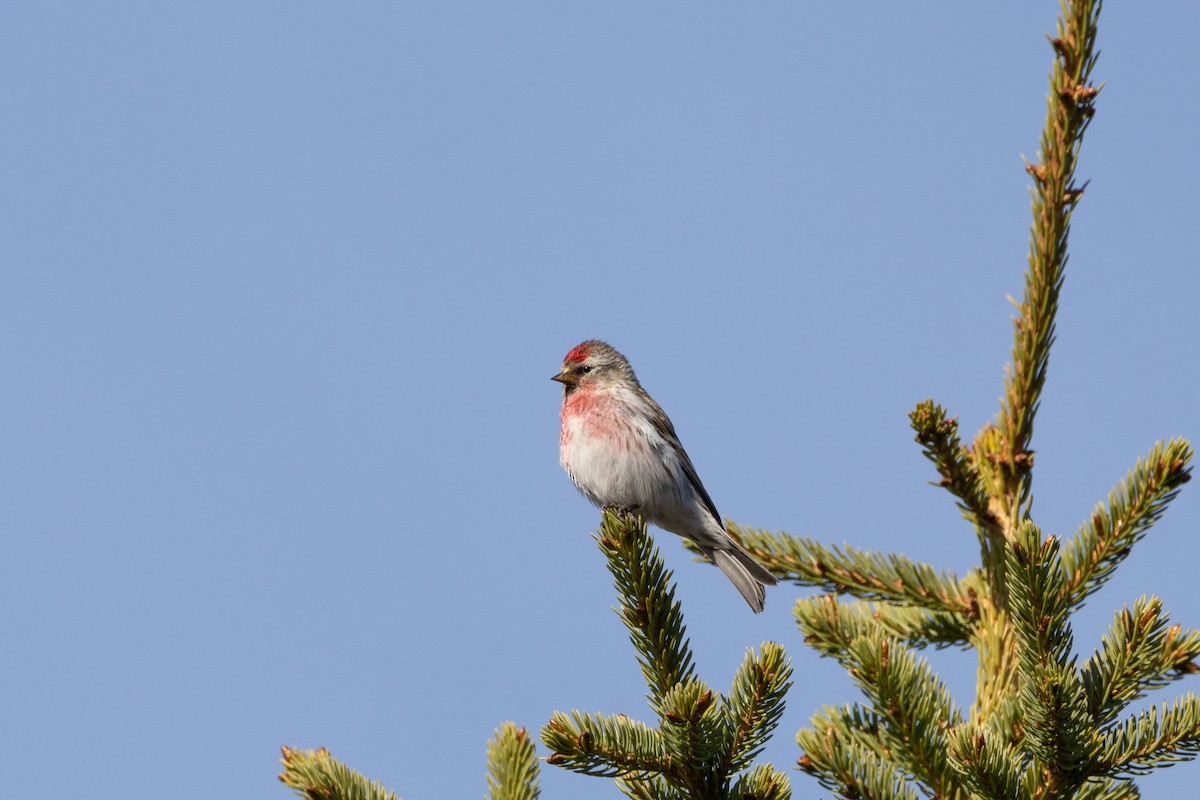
x=621, y=451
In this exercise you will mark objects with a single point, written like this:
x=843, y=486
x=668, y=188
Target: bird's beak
x=565, y=377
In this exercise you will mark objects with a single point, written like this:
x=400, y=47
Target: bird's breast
x=597, y=418
x=613, y=454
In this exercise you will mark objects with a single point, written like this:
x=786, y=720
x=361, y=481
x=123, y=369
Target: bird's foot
x=623, y=511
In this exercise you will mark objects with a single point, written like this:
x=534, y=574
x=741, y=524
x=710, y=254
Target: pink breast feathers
x=596, y=417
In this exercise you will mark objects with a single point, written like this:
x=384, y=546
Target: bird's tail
x=750, y=577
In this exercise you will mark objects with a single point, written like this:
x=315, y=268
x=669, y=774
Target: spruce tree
x=1043, y=724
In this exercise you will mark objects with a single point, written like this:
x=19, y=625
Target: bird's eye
x=585, y=369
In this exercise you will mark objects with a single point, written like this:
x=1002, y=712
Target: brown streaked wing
x=663, y=424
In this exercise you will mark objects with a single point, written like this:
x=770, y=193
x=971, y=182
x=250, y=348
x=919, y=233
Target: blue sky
x=283, y=286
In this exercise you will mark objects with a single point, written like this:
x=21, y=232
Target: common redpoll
x=621, y=451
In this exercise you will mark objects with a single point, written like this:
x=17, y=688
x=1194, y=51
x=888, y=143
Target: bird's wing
x=665, y=429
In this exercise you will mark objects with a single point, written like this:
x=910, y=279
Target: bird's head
x=593, y=364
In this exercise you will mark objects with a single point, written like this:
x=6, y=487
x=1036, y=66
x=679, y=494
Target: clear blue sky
x=283, y=284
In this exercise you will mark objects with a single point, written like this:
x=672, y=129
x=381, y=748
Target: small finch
x=621, y=451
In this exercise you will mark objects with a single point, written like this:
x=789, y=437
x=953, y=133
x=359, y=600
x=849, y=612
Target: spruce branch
x=693, y=725
x=865, y=574
x=997, y=704
x=1059, y=732
x=987, y=766
x=755, y=703
x=1152, y=739
x=513, y=772
x=604, y=746
x=830, y=626
x=920, y=627
x=1039, y=610
x=1133, y=507
x=964, y=478
x=849, y=769
x=316, y=775
x=703, y=739
x=1140, y=652
x=764, y=782
x=915, y=706
x=910, y=707
x=851, y=722
x=1001, y=452
x=1108, y=789
x=647, y=602
x=1007, y=457
x=937, y=434
x=654, y=787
